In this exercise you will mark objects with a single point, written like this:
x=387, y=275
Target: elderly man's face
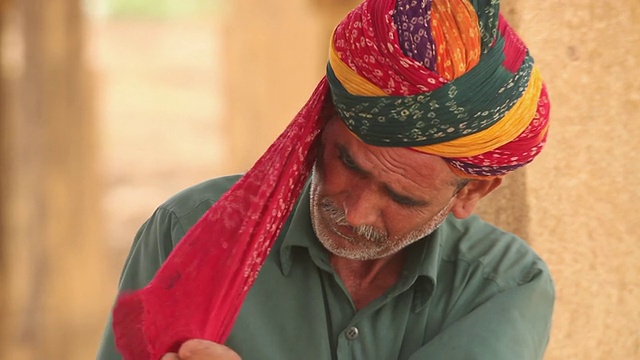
x=368, y=202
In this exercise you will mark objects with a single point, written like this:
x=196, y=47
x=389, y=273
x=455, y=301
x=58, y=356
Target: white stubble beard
x=370, y=243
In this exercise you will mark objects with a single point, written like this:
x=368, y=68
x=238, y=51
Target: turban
x=444, y=77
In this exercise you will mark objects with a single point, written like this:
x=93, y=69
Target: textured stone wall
x=582, y=191
x=580, y=195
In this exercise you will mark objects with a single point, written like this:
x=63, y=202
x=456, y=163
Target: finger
x=197, y=349
x=170, y=356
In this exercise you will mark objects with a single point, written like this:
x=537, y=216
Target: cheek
x=401, y=221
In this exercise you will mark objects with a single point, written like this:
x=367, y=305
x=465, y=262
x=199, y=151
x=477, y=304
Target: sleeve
x=514, y=324
x=151, y=246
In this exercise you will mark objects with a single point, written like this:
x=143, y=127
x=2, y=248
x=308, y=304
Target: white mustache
x=337, y=215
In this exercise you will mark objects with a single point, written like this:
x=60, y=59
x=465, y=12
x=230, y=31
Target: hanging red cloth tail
x=199, y=290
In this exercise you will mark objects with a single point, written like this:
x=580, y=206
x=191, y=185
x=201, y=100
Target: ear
x=467, y=198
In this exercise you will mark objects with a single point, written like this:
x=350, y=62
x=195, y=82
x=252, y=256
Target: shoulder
x=188, y=205
x=501, y=257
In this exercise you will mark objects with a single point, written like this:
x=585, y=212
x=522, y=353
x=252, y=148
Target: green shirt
x=468, y=291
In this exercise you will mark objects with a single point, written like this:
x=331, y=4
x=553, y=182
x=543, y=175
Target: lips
x=343, y=231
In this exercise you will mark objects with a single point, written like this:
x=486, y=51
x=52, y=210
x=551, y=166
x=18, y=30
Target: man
x=432, y=103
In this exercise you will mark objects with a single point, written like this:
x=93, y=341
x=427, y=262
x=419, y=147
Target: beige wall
x=583, y=192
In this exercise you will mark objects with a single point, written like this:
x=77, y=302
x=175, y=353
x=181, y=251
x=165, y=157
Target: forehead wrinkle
x=401, y=161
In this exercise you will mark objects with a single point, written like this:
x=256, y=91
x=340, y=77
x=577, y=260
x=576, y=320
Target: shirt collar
x=422, y=264
x=300, y=234
x=422, y=268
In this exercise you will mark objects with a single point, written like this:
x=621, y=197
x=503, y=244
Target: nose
x=361, y=205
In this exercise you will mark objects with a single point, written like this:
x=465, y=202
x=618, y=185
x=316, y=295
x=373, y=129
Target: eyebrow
x=348, y=160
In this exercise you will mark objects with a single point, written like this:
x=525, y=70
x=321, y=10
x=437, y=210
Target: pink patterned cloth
x=198, y=291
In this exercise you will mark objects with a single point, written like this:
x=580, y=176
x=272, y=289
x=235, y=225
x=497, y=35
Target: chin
x=343, y=246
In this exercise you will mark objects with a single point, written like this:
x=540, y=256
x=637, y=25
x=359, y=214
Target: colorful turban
x=448, y=78
x=441, y=77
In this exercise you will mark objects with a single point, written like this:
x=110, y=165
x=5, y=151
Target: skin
x=202, y=350
x=367, y=204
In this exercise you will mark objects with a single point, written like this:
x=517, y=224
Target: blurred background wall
x=108, y=107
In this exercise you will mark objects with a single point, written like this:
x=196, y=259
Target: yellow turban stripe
x=352, y=82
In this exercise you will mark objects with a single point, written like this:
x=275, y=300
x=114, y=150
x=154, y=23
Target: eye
x=346, y=159
x=403, y=200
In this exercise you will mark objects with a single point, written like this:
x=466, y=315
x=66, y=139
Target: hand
x=202, y=350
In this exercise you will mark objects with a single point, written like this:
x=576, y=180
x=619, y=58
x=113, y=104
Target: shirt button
x=352, y=333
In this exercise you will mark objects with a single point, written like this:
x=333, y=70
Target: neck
x=366, y=280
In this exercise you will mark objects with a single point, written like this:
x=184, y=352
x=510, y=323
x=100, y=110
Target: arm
x=514, y=324
x=151, y=246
